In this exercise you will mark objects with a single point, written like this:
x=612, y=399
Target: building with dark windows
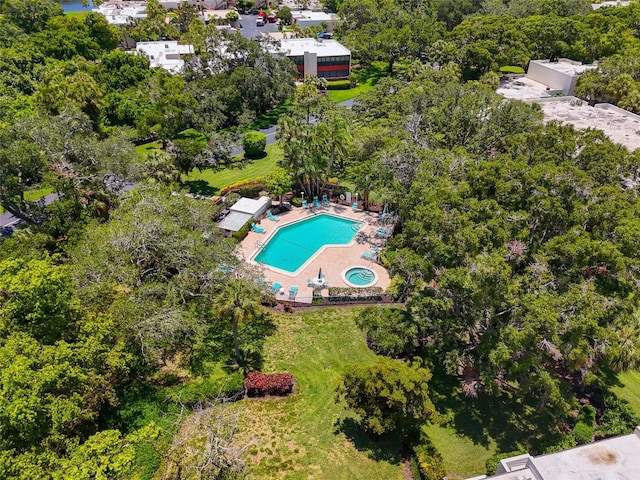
x=317, y=57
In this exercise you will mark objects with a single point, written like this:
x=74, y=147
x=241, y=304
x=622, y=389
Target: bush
x=618, y=417
x=339, y=85
x=254, y=143
x=259, y=384
x=231, y=199
x=565, y=443
x=353, y=294
x=583, y=433
x=429, y=461
x=583, y=429
x=242, y=233
x=296, y=201
x=492, y=462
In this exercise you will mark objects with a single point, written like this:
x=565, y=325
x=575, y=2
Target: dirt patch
x=601, y=456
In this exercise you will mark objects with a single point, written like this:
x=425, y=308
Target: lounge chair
x=272, y=217
x=293, y=291
x=277, y=286
x=304, y=204
x=325, y=200
x=382, y=232
x=258, y=229
x=316, y=202
x=368, y=256
x=310, y=282
x=325, y=283
x=355, y=205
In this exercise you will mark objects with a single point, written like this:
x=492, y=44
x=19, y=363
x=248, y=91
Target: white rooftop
x=294, y=47
x=249, y=205
x=522, y=88
x=616, y=458
x=221, y=14
x=310, y=15
x=568, y=67
x=165, y=54
x=234, y=221
x=619, y=125
x=121, y=13
x=596, y=6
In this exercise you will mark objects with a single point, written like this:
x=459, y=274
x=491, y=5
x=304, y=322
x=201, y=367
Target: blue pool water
x=360, y=276
x=294, y=244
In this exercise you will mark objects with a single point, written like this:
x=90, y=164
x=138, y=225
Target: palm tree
x=237, y=301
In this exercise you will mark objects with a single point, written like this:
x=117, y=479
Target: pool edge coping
x=318, y=252
x=353, y=285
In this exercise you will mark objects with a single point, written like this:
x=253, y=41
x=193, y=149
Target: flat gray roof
x=234, y=221
x=614, y=458
x=619, y=125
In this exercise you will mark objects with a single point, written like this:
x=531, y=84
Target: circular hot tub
x=359, y=276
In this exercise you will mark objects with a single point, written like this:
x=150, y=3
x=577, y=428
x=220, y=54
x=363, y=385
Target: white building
x=317, y=57
x=210, y=4
x=122, y=13
x=307, y=18
x=614, y=458
x=560, y=76
x=166, y=54
x=242, y=212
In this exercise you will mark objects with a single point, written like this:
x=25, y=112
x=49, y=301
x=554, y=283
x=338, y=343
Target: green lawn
x=35, y=194
x=462, y=456
x=301, y=437
x=630, y=389
x=146, y=148
x=75, y=14
x=212, y=181
x=342, y=95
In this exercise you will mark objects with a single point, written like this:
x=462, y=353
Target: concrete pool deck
x=333, y=259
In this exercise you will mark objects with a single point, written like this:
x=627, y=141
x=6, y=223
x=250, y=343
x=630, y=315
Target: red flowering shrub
x=259, y=384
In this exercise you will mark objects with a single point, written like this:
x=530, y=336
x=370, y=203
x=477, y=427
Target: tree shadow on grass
x=200, y=187
x=386, y=448
x=486, y=418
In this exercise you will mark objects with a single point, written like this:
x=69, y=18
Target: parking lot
x=249, y=29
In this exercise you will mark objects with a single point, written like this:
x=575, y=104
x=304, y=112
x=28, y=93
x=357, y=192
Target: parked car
x=325, y=35
x=260, y=22
x=271, y=18
x=253, y=11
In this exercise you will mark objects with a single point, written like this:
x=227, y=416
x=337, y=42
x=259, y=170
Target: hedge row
x=259, y=384
x=339, y=85
x=428, y=461
x=244, y=186
x=353, y=294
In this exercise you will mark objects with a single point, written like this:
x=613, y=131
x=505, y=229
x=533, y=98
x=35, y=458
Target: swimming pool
x=359, y=277
x=292, y=245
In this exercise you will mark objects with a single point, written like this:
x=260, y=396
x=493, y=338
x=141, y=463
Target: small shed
x=242, y=212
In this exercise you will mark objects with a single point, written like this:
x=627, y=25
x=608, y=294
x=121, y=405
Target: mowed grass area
x=211, y=181
x=629, y=389
x=343, y=95
x=462, y=456
x=36, y=194
x=300, y=437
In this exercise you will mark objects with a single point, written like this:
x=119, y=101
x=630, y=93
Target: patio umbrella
x=320, y=274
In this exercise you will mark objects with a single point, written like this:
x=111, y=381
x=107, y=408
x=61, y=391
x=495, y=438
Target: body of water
x=294, y=244
x=74, y=6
